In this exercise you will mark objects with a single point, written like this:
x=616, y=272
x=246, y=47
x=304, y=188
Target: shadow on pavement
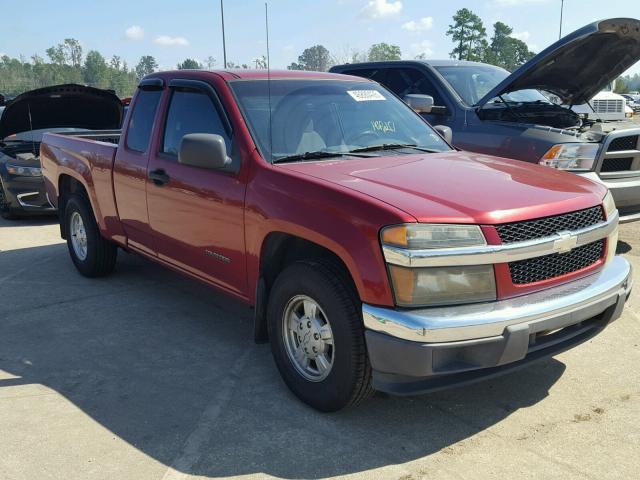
x=30, y=221
x=169, y=366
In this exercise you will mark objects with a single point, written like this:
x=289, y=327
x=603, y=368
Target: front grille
x=616, y=164
x=623, y=143
x=557, y=264
x=547, y=226
x=608, y=106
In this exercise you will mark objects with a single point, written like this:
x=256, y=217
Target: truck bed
x=87, y=157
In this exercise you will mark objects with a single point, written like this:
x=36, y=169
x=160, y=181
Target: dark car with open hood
x=25, y=119
x=486, y=109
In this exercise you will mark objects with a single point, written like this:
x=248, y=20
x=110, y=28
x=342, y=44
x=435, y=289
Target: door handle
x=159, y=177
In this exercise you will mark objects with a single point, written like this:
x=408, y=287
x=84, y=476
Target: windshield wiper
x=307, y=156
x=390, y=146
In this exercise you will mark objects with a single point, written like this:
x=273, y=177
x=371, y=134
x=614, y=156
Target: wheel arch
x=279, y=250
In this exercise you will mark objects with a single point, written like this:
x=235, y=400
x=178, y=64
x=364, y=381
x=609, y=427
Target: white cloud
x=380, y=8
x=425, y=23
x=423, y=49
x=171, y=41
x=524, y=36
x=134, y=32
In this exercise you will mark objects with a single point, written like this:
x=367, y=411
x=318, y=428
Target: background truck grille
x=547, y=226
x=616, y=164
x=556, y=264
x=623, y=143
x=608, y=106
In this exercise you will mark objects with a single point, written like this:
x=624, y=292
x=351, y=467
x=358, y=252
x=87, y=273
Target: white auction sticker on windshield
x=365, y=95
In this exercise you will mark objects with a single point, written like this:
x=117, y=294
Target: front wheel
x=317, y=337
x=92, y=254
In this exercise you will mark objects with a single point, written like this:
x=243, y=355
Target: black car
x=60, y=108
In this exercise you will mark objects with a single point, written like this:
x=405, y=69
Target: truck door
x=197, y=214
x=130, y=167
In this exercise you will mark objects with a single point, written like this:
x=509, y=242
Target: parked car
x=376, y=255
x=633, y=101
x=491, y=111
x=60, y=108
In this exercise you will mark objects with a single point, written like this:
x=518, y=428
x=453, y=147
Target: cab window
x=190, y=111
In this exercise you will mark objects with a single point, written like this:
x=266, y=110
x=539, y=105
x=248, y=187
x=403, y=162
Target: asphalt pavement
x=149, y=375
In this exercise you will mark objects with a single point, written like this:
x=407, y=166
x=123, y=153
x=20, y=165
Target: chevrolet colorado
x=376, y=255
x=491, y=111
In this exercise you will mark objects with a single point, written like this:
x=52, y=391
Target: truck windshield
x=329, y=118
x=475, y=81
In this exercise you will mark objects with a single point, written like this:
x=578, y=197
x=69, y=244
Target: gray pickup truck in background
x=492, y=111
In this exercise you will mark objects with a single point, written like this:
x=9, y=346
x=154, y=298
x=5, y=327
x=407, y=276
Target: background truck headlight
x=578, y=157
x=429, y=286
x=24, y=171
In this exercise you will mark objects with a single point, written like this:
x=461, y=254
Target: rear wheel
x=92, y=254
x=317, y=337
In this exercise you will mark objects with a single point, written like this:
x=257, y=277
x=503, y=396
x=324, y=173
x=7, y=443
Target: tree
x=210, y=62
x=506, y=51
x=316, y=58
x=145, y=66
x=383, y=51
x=261, y=62
x=95, y=69
x=73, y=51
x=470, y=36
x=189, y=64
x=56, y=54
x=620, y=86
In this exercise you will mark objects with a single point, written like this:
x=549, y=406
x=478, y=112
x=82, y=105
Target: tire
x=347, y=381
x=5, y=211
x=100, y=255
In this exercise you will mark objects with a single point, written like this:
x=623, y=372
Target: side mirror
x=419, y=103
x=203, y=150
x=445, y=132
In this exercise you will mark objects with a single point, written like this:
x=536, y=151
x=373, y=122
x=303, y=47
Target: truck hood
x=460, y=187
x=68, y=106
x=600, y=52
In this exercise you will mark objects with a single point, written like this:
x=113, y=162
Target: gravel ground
x=148, y=375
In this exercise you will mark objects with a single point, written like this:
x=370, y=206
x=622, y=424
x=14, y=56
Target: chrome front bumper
x=410, y=345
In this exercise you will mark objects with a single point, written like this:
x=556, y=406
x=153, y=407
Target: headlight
x=612, y=240
x=24, y=171
x=418, y=236
x=442, y=285
x=571, y=156
x=430, y=286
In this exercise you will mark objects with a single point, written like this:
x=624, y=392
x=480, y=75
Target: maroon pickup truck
x=377, y=256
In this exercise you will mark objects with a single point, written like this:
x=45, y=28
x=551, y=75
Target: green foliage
x=65, y=63
x=383, y=51
x=145, y=66
x=469, y=35
x=316, y=58
x=189, y=64
x=632, y=81
x=621, y=86
x=505, y=51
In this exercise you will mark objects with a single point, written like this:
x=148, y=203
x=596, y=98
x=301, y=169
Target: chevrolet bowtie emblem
x=565, y=243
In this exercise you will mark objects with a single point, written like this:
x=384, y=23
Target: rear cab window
x=142, y=117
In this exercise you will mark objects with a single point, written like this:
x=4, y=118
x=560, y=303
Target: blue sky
x=174, y=30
